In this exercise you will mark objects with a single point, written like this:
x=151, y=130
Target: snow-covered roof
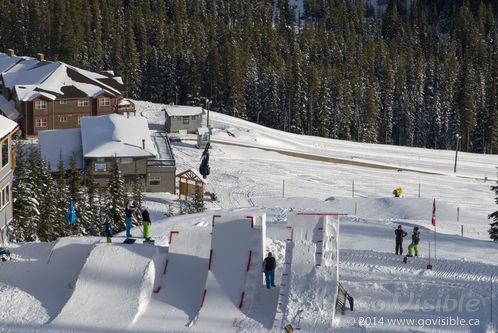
x=116, y=135
x=7, y=61
x=202, y=130
x=8, y=108
x=125, y=101
x=6, y=126
x=67, y=141
x=31, y=78
x=183, y=110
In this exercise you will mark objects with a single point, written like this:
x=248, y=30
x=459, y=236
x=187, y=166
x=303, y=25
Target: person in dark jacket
x=146, y=222
x=414, y=244
x=129, y=218
x=269, y=265
x=108, y=231
x=400, y=233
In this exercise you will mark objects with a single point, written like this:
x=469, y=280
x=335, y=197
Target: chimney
x=40, y=56
x=143, y=144
x=10, y=52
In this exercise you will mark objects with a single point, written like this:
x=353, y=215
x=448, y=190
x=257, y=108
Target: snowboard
x=129, y=241
x=150, y=241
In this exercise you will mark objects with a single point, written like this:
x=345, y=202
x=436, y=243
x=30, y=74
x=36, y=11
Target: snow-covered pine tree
x=198, y=201
x=102, y=212
x=324, y=106
x=25, y=207
x=93, y=204
x=76, y=193
x=493, y=231
x=170, y=211
x=117, y=197
x=62, y=195
x=138, y=197
x=47, y=228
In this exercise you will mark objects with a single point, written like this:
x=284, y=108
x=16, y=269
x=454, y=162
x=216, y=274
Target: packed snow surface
x=255, y=171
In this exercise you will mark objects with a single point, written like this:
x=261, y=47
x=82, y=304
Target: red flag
x=434, y=213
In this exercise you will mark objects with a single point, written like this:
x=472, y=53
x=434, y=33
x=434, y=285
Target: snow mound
x=20, y=308
x=112, y=290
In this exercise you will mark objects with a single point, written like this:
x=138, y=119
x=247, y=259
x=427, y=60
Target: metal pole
x=462, y=230
x=283, y=188
x=458, y=214
x=456, y=151
x=429, y=252
x=491, y=299
x=355, y=208
x=435, y=246
x=419, y=190
x=352, y=191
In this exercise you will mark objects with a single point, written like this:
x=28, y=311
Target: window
x=83, y=102
x=41, y=122
x=100, y=167
x=63, y=119
x=194, y=117
x=40, y=104
x=186, y=120
x=63, y=101
x=154, y=181
x=105, y=101
x=5, y=195
x=125, y=160
x=5, y=152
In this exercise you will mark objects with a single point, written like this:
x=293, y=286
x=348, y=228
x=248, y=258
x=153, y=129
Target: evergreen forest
x=413, y=73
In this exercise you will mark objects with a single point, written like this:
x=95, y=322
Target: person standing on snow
x=108, y=231
x=146, y=222
x=269, y=265
x=400, y=233
x=128, y=219
x=414, y=244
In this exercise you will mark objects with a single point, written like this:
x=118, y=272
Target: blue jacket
x=108, y=229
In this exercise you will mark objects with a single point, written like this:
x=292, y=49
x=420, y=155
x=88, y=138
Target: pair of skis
x=289, y=328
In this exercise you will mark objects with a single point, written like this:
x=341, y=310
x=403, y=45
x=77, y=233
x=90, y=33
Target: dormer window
x=105, y=101
x=40, y=104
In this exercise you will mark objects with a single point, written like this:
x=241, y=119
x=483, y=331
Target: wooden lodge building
x=44, y=95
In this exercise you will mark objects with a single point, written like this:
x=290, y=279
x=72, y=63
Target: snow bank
x=112, y=289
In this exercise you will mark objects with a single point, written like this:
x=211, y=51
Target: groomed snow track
x=311, y=260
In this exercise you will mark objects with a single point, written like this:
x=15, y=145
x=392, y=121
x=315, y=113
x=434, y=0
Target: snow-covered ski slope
x=37, y=287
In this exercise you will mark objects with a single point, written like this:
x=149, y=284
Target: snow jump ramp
x=179, y=287
x=234, y=273
x=310, y=274
x=115, y=276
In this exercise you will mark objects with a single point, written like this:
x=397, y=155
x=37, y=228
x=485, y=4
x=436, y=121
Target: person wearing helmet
x=400, y=233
